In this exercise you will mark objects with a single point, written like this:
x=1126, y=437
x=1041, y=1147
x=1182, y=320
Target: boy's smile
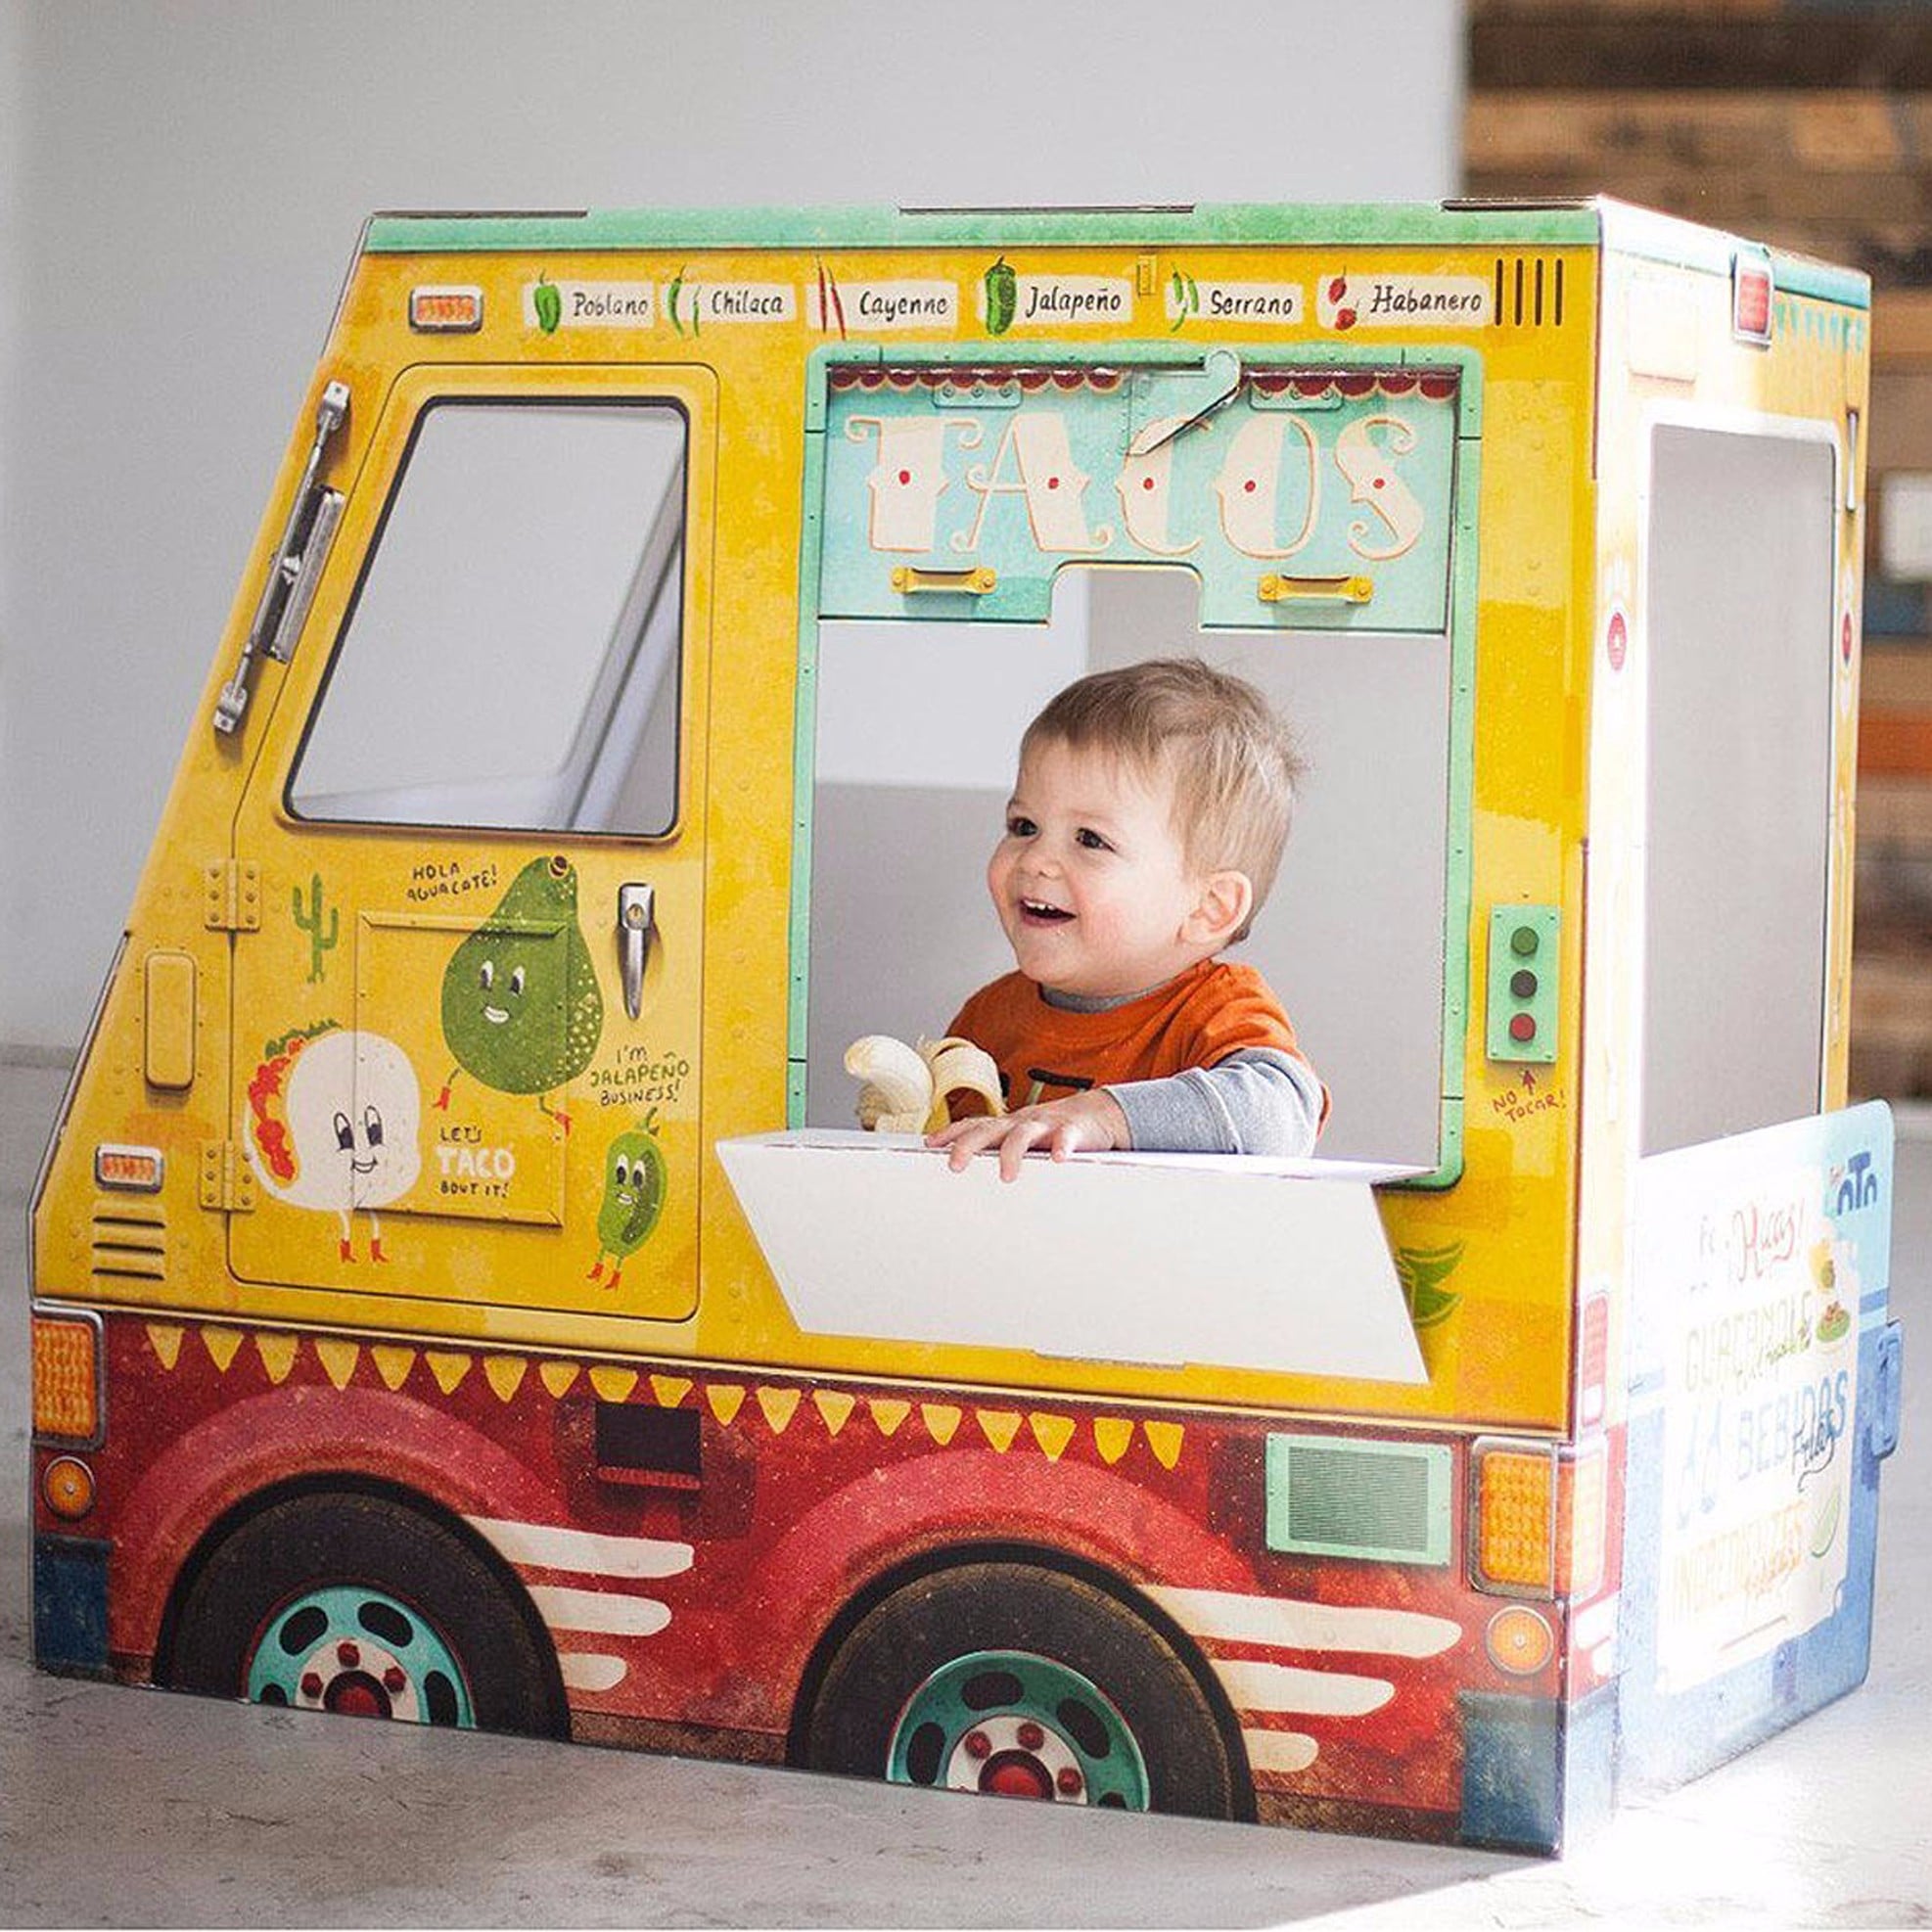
x=1036, y=912
x=1091, y=881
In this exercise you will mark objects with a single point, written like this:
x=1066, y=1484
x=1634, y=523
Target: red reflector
x=452, y=310
x=1751, y=301
x=1594, y=1362
x=137, y=1168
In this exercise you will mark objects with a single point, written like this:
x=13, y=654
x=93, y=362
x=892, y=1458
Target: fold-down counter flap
x=1162, y=1258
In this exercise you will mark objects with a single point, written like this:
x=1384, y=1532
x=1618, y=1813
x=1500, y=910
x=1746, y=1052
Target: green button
x=1523, y=941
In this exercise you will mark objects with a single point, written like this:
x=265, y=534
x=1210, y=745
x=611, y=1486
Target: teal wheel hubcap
x=362, y=1653
x=1022, y=1726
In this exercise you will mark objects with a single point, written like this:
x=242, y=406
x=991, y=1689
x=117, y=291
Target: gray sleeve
x=1256, y=1101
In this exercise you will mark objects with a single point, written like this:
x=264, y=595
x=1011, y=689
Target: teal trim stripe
x=1339, y=225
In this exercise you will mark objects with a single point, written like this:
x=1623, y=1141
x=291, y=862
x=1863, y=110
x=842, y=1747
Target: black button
x=1523, y=985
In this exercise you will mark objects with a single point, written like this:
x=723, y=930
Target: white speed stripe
x=541, y=1546
x=585, y=1670
x=1278, y=1750
x=1285, y=1625
x=605, y=1612
x=1311, y=1694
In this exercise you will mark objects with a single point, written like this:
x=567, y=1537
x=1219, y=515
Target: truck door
x=467, y=1023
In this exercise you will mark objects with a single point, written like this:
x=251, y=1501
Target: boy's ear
x=1226, y=900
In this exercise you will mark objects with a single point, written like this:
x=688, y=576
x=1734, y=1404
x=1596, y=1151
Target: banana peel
x=905, y=1089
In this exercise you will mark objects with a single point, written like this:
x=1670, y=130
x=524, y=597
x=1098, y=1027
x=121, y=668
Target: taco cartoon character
x=334, y=1124
x=636, y=1179
x=520, y=1009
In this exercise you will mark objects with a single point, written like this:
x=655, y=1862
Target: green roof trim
x=1800, y=275
x=1397, y=226
x=1677, y=243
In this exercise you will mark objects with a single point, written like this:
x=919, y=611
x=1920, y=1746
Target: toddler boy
x=1143, y=834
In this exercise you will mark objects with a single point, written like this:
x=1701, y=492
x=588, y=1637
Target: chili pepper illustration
x=831, y=310
x=1002, y=288
x=548, y=304
x=670, y=300
x=1186, y=299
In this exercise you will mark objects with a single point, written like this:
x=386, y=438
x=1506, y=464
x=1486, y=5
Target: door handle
x=636, y=922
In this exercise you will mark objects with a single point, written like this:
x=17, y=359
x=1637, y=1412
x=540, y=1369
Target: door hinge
x=228, y=1184
x=231, y=899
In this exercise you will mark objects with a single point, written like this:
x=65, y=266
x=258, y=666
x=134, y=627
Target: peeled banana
x=905, y=1089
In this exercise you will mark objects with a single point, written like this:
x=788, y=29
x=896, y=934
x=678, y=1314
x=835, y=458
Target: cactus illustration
x=311, y=922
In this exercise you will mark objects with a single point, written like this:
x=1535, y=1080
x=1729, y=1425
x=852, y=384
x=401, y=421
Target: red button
x=1522, y=1027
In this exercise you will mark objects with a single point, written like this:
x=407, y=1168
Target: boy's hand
x=1081, y=1122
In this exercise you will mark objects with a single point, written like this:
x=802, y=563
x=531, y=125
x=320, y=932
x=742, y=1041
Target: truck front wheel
x=356, y=1604
x=1022, y=1682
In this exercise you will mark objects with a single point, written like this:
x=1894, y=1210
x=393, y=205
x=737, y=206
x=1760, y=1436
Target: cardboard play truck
x=462, y=1294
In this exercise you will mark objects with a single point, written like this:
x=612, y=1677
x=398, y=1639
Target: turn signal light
x=66, y=1378
x=1540, y=1520
x=1516, y=1519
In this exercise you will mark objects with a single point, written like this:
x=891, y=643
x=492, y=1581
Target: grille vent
x=1529, y=291
x=1335, y=1496
x=129, y=1244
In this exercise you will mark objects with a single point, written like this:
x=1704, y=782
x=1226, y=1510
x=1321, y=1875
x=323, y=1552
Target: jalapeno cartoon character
x=334, y=1124
x=635, y=1182
x=520, y=1009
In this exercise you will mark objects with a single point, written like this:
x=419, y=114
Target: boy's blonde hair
x=1233, y=762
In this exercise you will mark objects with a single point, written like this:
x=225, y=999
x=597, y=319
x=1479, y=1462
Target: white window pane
x=512, y=655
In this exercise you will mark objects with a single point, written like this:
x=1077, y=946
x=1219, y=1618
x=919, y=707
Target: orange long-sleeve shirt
x=1044, y=1051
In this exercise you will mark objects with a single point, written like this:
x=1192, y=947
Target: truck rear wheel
x=1021, y=1682
x=356, y=1604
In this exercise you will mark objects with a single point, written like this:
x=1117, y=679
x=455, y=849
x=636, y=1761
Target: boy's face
x=1090, y=882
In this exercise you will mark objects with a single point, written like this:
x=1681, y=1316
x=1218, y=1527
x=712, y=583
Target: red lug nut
x=1032, y=1737
x=347, y=1656
x=393, y=1678
x=1070, y=1781
x=312, y=1683
x=978, y=1744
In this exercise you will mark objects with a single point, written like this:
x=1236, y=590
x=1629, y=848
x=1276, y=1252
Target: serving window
x=982, y=554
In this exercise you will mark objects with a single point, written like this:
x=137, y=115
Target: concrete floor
x=130, y=1808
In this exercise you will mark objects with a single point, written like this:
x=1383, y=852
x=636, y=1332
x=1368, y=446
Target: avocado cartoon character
x=634, y=1185
x=520, y=1008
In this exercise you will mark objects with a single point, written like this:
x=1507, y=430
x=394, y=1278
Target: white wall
x=188, y=179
